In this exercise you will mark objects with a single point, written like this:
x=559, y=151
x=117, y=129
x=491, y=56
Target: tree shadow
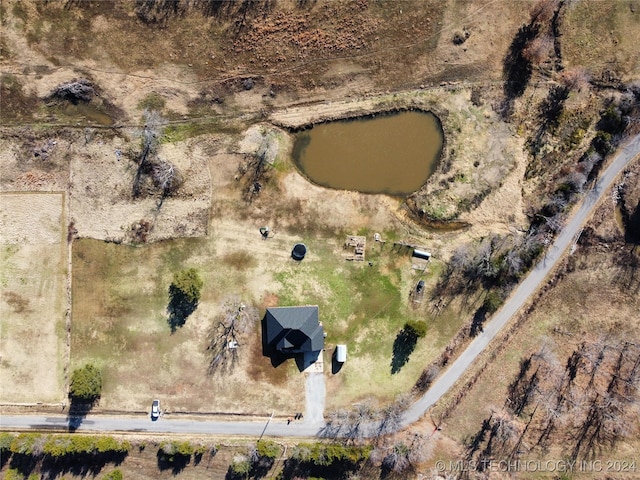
x=632, y=225
x=78, y=410
x=477, y=324
x=179, y=308
x=517, y=69
x=25, y=464
x=403, y=347
x=261, y=467
x=175, y=462
x=81, y=464
x=336, y=469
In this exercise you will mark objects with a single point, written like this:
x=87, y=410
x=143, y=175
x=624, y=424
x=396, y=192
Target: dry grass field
x=521, y=89
x=33, y=266
x=120, y=295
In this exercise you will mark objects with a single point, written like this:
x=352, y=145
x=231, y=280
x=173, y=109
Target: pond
x=89, y=112
x=390, y=153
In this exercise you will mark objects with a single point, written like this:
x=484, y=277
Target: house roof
x=294, y=329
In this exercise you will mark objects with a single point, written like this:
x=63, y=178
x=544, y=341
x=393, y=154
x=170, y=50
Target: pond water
x=90, y=113
x=391, y=153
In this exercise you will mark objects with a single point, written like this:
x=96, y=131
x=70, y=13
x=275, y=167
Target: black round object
x=299, y=251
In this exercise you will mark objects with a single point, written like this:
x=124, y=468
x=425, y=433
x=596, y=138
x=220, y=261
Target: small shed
x=424, y=255
x=341, y=353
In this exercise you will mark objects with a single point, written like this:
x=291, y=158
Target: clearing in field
x=33, y=305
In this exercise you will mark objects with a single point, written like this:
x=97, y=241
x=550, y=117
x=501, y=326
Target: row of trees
x=57, y=446
x=256, y=463
x=494, y=264
x=324, y=460
x=533, y=44
x=160, y=12
x=177, y=454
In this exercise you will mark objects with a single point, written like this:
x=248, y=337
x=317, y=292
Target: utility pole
x=265, y=427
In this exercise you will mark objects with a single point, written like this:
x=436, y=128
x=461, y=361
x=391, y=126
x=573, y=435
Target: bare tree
x=575, y=78
x=150, y=138
x=166, y=176
x=74, y=91
x=357, y=420
x=226, y=336
x=397, y=459
x=543, y=11
x=403, y=456
x=336, y=419
x=391, y=416
x=538, y=50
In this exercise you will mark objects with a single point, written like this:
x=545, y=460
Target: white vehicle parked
x=155, y=410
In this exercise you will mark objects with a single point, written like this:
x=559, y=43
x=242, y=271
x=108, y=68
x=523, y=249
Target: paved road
x=311, y=426
x=143, y=423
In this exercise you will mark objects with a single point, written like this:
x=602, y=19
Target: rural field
x=33, y=332
x=139, y=140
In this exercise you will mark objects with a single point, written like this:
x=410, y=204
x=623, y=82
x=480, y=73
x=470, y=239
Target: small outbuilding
x=421, y=254
x=341, y=353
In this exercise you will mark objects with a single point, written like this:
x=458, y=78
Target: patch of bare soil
x=102, y=204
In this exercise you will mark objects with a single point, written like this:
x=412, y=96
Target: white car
x=155, y=409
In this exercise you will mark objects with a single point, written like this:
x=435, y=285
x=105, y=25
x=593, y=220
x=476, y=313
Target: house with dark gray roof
x=292, y=330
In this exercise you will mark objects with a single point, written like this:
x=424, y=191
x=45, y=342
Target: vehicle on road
x=155, y=410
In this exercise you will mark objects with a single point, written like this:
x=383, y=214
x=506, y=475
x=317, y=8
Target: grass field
x=33, y=303
x=120, y=321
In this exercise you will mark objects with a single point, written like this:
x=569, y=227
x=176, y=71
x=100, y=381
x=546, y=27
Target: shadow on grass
x=336, y=366
x=403, y=347
x=477, y=324
x=517, y=68
x=179, y=308
x=82, y=464
x=336, y=469
x=632, y=225
x=261, y=467
x=25, y=464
